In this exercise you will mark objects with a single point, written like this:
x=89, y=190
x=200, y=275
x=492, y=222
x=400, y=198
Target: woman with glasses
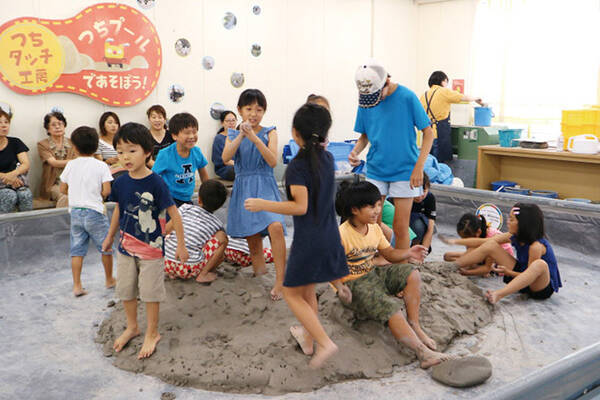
x=54, y=151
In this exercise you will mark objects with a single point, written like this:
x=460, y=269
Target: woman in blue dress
x=254, y=151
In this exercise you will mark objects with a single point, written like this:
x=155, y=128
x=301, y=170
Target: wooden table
x=569, y=174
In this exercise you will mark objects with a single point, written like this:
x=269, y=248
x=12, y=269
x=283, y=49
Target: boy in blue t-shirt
x=387, y=116
x=177, y=163
x=143, y=200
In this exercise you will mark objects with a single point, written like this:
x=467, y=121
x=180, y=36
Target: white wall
x=445, y=30
x=309, y=46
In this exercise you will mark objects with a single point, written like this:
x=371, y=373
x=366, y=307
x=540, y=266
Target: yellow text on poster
x=31, y=56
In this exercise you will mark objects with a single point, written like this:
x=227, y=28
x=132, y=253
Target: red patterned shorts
x=237, y=257
x=175, y=269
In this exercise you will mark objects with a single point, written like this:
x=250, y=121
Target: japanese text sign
x=109, y=52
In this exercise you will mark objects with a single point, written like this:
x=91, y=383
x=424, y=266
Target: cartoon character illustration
x=114, y=54
x=145, y=223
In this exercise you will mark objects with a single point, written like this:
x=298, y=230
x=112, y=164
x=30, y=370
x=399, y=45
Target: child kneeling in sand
x=376, y=290
x=142, y=197
x=205, y=237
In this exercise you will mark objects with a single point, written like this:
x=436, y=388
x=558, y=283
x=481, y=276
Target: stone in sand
x=463, y=372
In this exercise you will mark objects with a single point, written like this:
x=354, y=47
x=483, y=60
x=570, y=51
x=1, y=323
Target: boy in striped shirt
x=205, y=237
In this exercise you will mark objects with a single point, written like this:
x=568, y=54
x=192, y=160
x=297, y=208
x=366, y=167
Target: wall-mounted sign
x=458, y=85
x=108, y=52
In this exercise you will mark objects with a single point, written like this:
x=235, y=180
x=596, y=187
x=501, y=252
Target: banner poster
x=458, y=85
x=108, y=52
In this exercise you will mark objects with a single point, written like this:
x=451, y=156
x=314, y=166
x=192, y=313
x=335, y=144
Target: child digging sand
x=143, y=198
x=205, y=237
x=533, y=270
x=376, y=290
x=473, y=226
x=87, y=182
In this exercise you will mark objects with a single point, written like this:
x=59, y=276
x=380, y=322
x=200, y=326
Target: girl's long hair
x=312, y=122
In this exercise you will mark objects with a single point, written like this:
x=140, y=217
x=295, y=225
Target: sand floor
x=49, y=352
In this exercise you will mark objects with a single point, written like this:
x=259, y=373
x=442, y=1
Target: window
x=533, y=58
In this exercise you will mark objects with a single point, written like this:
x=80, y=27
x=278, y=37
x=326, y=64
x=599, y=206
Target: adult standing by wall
x=436, y=102
x=54, y=151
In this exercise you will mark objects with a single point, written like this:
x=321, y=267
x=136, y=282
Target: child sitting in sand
x=143, y=200
x=238, y=253
x=205, y=237
x=376, y=291
x=534, y=270
x=86, y=181
x=473, y=226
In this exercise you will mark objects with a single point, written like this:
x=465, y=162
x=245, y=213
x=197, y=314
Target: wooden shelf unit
x=569, y=174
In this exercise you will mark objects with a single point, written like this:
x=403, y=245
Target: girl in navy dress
x=316, y=254
x=254, y=151
x=534, y=270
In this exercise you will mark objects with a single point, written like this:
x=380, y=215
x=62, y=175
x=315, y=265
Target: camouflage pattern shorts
x=374, y=294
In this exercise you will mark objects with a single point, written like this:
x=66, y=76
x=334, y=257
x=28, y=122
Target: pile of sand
x=231, y=337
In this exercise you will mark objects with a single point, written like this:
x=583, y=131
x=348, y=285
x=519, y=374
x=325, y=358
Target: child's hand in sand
x=253, y=205
x=417, y=253
x=446, y=239
x=107, y=244
x=181, y=253
x=499, y=269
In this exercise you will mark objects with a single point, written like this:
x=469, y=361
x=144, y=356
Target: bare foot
x=429, y=358
x=125, y=337
x=345, y=294
x=277, y=292
x=79, y=291
x=322, y=354
x=206, y=278
x=492, y=297
x=111, y=283
x=303, y=338
x=149, y=345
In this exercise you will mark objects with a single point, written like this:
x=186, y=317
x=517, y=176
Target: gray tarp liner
x=47, y=337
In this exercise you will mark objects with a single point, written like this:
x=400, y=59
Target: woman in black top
x=14, y=165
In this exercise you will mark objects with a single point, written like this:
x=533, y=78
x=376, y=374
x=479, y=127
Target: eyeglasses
x=57, y=124
x=230, y=120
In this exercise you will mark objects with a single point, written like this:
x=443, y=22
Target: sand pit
x=231, y=337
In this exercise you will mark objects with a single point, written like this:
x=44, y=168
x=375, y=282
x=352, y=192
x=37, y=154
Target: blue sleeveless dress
x=253, y=178
x=522, y=252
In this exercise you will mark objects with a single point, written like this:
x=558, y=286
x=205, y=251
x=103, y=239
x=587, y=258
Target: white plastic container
x=461, y=114
x=583, y=144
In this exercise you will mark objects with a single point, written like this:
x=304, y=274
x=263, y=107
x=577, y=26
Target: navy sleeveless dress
x=316, y=254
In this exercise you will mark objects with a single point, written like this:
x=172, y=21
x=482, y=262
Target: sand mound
x=231, y=337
